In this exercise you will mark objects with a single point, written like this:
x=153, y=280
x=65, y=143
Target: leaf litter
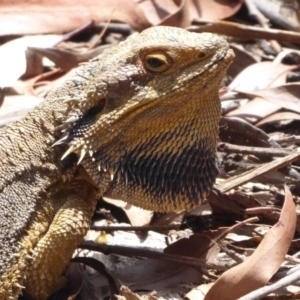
x=243, y=243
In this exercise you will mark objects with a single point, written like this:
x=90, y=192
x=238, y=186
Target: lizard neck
x=175, y=163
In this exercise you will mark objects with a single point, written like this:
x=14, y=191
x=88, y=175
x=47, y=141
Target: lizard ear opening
x=96, y=109
x=83, y=123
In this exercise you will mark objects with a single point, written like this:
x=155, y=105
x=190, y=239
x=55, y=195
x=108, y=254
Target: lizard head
x=146, y=113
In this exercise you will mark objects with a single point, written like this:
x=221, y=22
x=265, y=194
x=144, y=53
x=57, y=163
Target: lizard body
x=139, y=122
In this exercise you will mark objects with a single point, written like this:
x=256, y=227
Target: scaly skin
x=139, y=122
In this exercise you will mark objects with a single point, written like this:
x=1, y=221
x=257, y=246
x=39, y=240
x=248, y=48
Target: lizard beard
x=175, y=180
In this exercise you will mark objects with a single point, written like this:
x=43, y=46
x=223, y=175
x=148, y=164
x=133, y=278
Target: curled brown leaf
x=257, y=270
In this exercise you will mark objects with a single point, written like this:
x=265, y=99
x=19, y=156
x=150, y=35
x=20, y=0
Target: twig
x=123, y=29
x=241, y=179
x=288, y=140
x=100, y=268
x=244, y=31
x=240, y=128
x=233, y=228
x=256, y=14
x=261, y=210
x=262, y=20
x=297, y=254
x=136, y=228
x=98, y=39
x=69, y=35
x=232, y=254
x=264, y=291
x=238, y=225
x=260, y=151
x=283, y=274
x=131, y=251
x=292, y=259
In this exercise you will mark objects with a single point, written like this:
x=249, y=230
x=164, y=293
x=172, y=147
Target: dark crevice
x=84, y=123
x=92, y=112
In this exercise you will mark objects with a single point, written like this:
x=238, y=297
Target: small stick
x=133, y=251
x=260, y=151
x=241, y=179
x=261, y=210
x=244, y=31
x=136, y=228
x=262, y=20
x=264, y=291
x=288, y=140
x=101, y=33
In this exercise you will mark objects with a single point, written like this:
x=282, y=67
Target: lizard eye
x=157, y=62
x=154, y=62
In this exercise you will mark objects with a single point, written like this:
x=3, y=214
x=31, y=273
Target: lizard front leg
x=53, y=251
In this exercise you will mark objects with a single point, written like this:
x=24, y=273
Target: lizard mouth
x=214, y=68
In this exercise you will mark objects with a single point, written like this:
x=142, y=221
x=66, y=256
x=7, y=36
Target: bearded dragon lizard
x=139, y=122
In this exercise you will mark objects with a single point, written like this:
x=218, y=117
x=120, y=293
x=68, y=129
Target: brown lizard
x=139, y=122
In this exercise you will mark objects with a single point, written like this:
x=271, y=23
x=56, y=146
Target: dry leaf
x=260, y=76
x=287, y=96
x=101, y=269
x=198, y=245
x=199, y=292
x=215, y=9
x=254, y=78
x=127, y=294
x=258, y=269
x=137, y=216
x=237, y=131
x=279, y=117
x=57, y=16
x=13, y=59
x=181, y=13
x=280, y=13
x=75, y=280
x=67, y=60
x=254, y=110
x=153, y=274
x=180, y=18
x=242, y=60
x=167, y=12
x=15, y=107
